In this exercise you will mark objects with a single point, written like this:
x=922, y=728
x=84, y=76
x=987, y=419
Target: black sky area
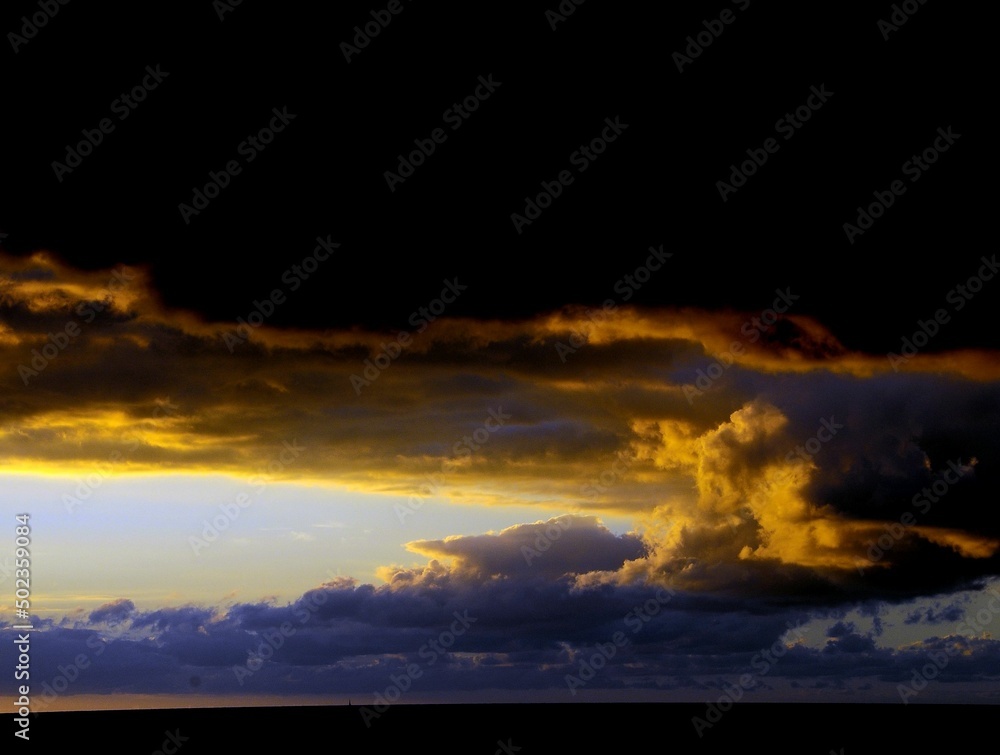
x=656, y=184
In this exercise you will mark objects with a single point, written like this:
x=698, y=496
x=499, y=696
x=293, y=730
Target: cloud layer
x=511, y=630
x=777, y=463
x=768, y=482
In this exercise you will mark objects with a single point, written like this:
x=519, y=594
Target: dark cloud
x=562, y=545
x=840, y=629
x=850, y=643
x=182, y=618
x=747, y=506
x=936, y=615
x=466, y=633
x=113, y=613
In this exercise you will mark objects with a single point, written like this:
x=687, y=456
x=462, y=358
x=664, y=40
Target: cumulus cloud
x=467, y=633
x=113, y=613
x=800, y=473
x=784, y=472
x=560, y=546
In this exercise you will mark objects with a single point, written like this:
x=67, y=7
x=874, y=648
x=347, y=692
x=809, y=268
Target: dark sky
x=656, y=184
x=753, y=550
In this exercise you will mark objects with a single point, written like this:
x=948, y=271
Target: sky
x=430, y=371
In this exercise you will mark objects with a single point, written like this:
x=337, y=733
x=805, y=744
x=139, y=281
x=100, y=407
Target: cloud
x=936, y=615
x=113, y=613
x=772, y=507
x=790, y=474
x=565, y=545
x=840, y=629
x=518, y=634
